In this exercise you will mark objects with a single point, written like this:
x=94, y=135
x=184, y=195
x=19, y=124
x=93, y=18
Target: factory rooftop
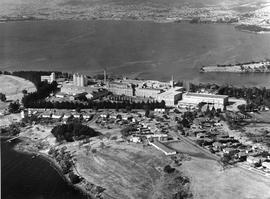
x=205, y=95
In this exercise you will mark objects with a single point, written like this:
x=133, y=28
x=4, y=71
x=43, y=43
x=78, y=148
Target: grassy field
x=12, y=86
x=124, y=170
x=210, y=181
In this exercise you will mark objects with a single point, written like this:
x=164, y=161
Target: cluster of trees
x=168, y=169
x=5, y=73
x=73, y=131
x=187, y=119
x=35, y=76
x=64, y=159
x=127, y=131
x=43, y=90
x=91, y=104
x=255, y=97
x=14, y=107
x=3, y=97
x=11, y=130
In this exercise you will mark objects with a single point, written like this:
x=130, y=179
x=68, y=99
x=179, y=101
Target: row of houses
x=55, y=114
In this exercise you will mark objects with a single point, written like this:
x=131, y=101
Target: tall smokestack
x=105, y=77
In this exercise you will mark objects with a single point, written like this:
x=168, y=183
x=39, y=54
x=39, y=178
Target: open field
x=210, y=181
x=262, y=116
x=124, y=170
x=183, y=147
x=12, y=86
x=9, y=119
x=127, y=171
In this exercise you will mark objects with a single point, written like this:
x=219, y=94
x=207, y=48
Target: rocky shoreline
x=25, y=146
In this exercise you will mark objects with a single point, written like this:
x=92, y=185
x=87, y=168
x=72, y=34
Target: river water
x=144, y=49
x=25, y=178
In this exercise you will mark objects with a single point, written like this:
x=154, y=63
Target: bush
x=3, y=97
x=74, y=178
x=168, y=169
x=127, y=131
x=14, y=107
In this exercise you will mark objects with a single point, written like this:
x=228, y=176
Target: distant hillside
x=221, y=11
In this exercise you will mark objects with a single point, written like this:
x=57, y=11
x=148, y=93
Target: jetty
x=249, y=67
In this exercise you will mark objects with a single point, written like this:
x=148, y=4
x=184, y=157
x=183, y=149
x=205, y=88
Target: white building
x=266, y=165
x=218, y=101
x=171, y=96
x=79, y=80
x=49, y=78
x=163, y=148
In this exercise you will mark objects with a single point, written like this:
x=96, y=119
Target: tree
x=14, y=107
x=147, y=113
x=74, y=178
x=71, y=131
x=127, y=131
x=24, y=91
x=14, y=129
x=3, y=97
x=168, y=169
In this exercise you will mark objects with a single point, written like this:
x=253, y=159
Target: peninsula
x=249, y=67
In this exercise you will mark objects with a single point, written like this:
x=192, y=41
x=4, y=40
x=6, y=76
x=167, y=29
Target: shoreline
x=249, y=67
x=21, y=147
x=158, y=21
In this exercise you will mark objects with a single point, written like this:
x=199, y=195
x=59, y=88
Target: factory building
x=218, y=101
x=147, y=92
x=48, y=78
x=79, y=80
x=171, y=96
x=119, y=88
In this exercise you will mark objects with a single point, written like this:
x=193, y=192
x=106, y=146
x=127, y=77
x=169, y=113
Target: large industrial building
x=171, y=96
x=79, y=80
x=48, y=78
x=218, y=101
x=119, y=88
x=152, y=89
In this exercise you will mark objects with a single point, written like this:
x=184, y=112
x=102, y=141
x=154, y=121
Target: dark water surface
x=25, y=178
x=144, y=49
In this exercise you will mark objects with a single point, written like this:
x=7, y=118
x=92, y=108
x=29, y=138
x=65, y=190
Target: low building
x=266, y=165
x=60, y=95
x=135, y=139
x=217, y=145
x=253, y=160
x=230, y=151
x=57, y=115
x=158, y=145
